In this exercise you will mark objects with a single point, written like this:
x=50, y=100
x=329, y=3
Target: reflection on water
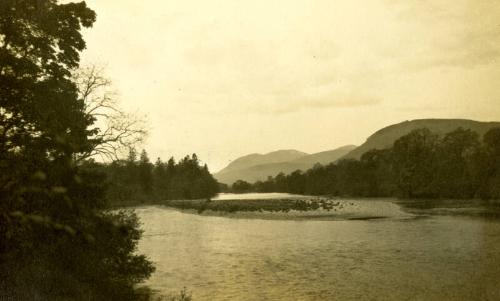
x=217, y=258
x=252, y=196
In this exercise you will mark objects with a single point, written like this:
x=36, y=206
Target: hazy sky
x=227, y=78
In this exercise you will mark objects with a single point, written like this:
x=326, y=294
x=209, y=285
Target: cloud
x=421, y=108
x=289, y=104
x=437, y=34
x=319, y=103
x=202, y=68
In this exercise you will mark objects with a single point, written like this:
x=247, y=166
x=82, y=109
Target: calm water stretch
x=260, y=196
x=402, y=257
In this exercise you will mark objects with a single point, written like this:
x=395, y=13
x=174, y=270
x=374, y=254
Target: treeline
x=137, y=180
x=421, y=164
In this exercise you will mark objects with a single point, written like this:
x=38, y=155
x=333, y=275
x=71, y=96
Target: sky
x=226, y=78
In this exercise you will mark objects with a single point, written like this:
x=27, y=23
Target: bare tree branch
x=114, y=130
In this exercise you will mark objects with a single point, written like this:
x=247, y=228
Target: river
x=406, y=257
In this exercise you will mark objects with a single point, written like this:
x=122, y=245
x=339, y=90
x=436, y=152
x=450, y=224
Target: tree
x=490, y=179
x=241, y=186
x=296, y=182
x=492, y=141
x=39, y=45
x=280, y=183
x=415, y=162
x=138, y=181
x=379, y=172
x=317, y=180
x=350, y=178
x=458, y=155
x=161, y=180
x=58, y=243
x=145, y=173
x=114, y=131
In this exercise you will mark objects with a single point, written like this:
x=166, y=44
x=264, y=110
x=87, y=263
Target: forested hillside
x=385, y=137
x=422, y=164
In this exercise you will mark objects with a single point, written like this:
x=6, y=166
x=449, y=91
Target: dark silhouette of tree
x=415, y=158
x=458, y=154
x=492, y=142
x=145, y=169
x=379, y=171
x=296, y=182
x=241, y=186
x=490, y=188
x=139, y=181
x=161, y=179
x=57, y=242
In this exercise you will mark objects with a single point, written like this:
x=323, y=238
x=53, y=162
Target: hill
x=386, y=137
x=255, y=167
x=326, y=156
x=258, y=159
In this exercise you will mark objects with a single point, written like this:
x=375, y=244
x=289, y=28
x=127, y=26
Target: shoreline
x=281, y=216
x=334, y=209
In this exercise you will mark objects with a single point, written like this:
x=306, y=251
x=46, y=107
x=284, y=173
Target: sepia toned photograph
x=237, y=150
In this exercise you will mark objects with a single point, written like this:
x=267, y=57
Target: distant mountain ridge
x=257, y=159
x=326, y=156
x=385, y=137
x=255, y=167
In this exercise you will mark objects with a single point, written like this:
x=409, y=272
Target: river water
x=253, y=196
x=407, y=257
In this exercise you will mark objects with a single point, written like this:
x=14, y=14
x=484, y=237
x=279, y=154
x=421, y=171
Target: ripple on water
x=436, y=258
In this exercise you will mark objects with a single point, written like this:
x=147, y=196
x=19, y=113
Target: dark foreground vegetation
x=458, y=165
x=58, y=240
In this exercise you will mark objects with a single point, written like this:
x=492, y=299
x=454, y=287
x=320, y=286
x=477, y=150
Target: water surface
x=395, y=258
x=253, y=196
